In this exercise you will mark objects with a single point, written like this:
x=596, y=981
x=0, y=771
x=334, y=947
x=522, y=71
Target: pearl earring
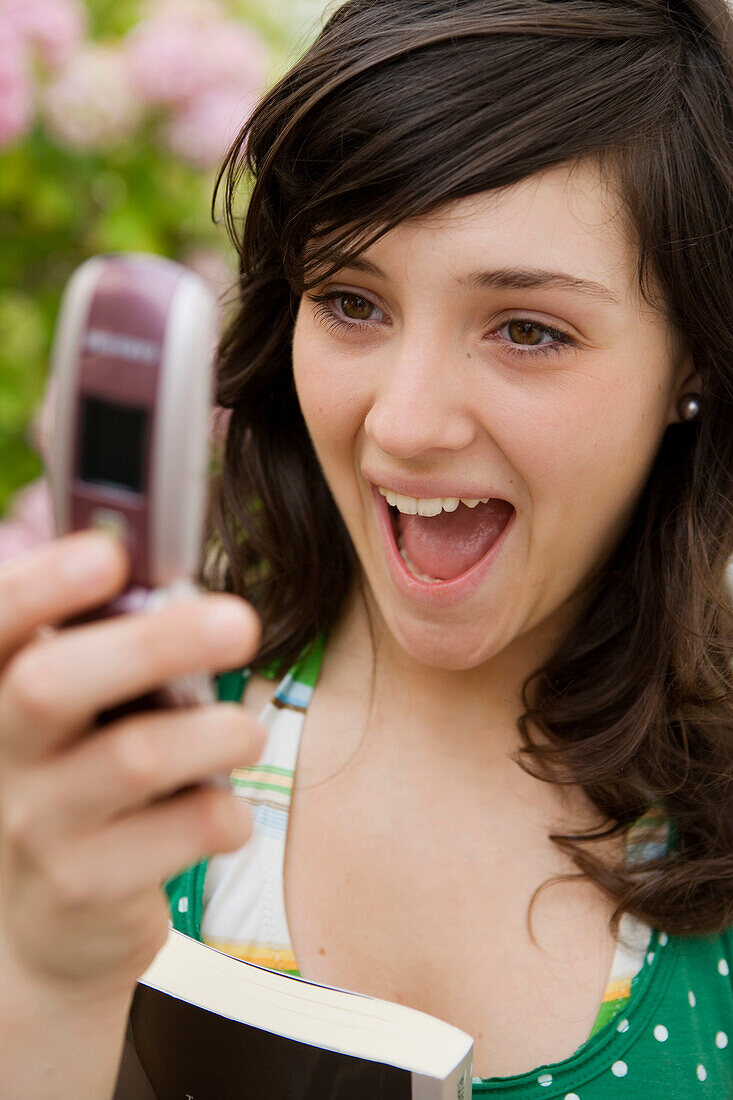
x=688, y=406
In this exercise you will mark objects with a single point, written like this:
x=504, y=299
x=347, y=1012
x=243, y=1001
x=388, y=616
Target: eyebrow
x=507, y=278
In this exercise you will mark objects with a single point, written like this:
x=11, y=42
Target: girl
x=477, y=487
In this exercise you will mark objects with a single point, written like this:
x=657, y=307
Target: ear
x=687, y=380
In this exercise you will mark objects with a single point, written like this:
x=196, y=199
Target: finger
x=55, y=580
x=149, y=846
x=134, y=761
x=53, y=689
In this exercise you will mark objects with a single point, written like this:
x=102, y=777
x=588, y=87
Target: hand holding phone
x=96, y=813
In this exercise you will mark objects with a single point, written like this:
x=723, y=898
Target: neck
x=441, y=726
x=428, y=708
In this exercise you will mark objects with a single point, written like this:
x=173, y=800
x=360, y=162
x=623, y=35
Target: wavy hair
x=401, y=106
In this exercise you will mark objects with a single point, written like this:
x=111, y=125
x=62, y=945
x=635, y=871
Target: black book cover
x=177, y=1051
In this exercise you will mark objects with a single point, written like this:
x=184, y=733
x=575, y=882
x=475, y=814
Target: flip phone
x=131, y=364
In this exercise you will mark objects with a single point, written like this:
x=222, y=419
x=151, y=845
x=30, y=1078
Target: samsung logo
x=121, y=347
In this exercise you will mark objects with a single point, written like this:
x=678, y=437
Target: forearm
x=56, y=1045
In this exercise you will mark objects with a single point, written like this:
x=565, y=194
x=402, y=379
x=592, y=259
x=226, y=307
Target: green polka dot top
x=673, y=1040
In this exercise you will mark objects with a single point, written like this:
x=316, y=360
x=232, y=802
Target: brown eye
x=355, y=308
x=524, y=332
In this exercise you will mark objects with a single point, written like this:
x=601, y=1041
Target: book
x=206, y=1026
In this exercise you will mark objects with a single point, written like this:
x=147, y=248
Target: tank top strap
x=649, y=837
x=268, y=785
x=296, y=688
x=243, y=903
x=269, y=782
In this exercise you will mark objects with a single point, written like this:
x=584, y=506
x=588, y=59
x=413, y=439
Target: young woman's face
x=548, y=384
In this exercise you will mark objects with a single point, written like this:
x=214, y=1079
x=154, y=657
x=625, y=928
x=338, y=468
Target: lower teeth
x=410, y=564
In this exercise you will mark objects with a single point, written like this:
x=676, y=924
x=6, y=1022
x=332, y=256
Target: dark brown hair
x=398, y=107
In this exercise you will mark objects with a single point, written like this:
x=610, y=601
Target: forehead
x=568, y=218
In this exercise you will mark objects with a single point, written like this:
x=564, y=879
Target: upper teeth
x=412, y=506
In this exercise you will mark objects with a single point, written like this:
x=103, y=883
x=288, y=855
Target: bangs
x=402, y=136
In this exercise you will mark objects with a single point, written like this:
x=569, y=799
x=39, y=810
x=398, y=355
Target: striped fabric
x=243, y=899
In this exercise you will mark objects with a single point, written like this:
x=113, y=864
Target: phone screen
x=113, y=444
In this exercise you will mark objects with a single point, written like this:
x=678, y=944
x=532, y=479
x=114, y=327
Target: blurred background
x=114, y=117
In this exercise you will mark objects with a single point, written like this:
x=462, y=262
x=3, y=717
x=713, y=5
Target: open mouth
x=444, y=547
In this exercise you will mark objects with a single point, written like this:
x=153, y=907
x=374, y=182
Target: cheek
x=331, y=390
x=597, y=424
x=584, y=449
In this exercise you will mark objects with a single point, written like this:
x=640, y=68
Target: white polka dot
x=623, y=1026
x=183, y=905
x=660, y=1033
x=691, y=998
x=650, y=956
x=619, y=1069
x=662, y=938
x=701, y=1072
x=723, y=968
x=721, y=1040
x=544, y=1079
x=571, y=1096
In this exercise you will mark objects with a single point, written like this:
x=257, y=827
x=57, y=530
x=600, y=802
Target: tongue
x=446, y=545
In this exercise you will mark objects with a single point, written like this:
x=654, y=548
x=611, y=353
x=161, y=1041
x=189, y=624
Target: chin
x=456, y=647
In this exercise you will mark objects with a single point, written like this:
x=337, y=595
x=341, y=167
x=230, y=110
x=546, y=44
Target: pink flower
x=176, y=57
x=234, y=56
x=203, y=131
x=91, y=103
x=163, y=57
x=206, y=70
x=16, y=94
x=55, y=28
x=30, y=521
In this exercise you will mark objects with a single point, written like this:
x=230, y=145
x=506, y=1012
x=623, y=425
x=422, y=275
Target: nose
x=418, y=403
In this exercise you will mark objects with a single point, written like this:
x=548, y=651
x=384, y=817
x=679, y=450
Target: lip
x=442, y=593
x=434, y=489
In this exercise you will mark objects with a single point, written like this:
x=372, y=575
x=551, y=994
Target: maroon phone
x=132, y=375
